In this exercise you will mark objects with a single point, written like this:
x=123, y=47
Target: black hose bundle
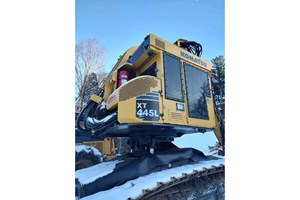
x=86, y=121
x=193, y=47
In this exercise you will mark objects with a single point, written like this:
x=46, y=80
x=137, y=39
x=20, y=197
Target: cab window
x=173, y=80
x=197, y=89
x=151, y=71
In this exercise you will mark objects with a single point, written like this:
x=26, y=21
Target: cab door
x=199, y=98
x=174, y=99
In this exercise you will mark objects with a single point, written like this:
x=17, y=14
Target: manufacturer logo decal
x=189, y=57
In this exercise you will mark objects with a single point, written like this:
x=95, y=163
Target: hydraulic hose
x=87, y=123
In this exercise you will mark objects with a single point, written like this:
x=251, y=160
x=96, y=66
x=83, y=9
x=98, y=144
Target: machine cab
x=169, y=85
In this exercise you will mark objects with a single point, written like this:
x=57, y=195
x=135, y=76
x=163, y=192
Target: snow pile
x=197, y=141
x=90, y=174
x=88, y=149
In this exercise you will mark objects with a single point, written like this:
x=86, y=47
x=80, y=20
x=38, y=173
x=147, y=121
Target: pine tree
x=218, y=79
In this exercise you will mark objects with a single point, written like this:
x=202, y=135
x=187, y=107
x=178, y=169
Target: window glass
x=197, y=89
x=151, y=71
x=173, y=81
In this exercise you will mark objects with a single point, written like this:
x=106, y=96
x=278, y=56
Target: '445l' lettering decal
x=147, y=110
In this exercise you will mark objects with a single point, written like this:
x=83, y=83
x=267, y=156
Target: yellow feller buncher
x=156, y=92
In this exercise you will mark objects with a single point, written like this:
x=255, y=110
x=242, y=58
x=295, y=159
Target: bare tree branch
x=89, y=58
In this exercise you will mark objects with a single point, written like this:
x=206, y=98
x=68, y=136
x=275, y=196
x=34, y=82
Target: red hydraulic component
x=123, y=77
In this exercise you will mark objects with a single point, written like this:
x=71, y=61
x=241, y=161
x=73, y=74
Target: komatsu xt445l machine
x=156, y=92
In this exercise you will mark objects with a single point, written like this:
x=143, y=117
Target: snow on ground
x=134, y=188
x=198, y=141
x=90, y=174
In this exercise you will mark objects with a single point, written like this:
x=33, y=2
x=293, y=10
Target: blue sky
x=120, y=24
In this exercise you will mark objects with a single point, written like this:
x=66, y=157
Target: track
x=203, y=180
x=188, y=185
